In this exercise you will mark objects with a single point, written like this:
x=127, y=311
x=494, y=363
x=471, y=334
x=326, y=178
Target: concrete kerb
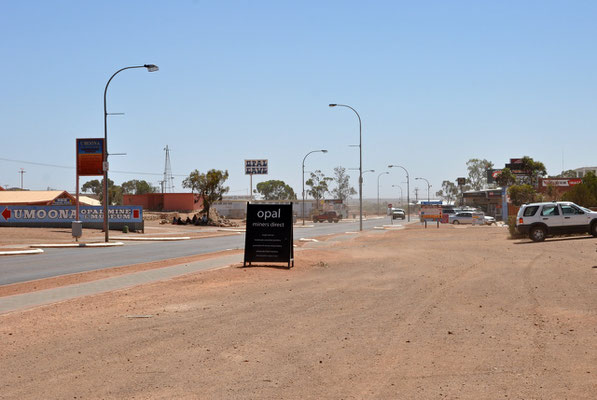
x=67, y=245
x=163, y=239
x=20, y=252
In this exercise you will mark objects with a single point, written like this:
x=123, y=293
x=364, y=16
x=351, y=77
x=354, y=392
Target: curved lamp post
x=314, y=151
x=150, y=68
x=399, y=187
x=428, y=186
x=407, y=188
x=360, y=163
x=383, y=173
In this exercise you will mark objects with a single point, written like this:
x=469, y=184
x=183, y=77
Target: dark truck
x=330, y=216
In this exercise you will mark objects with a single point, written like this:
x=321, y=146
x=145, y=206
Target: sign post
x=269, y=235
x=255, y=167
x=90, y=159
x=431, y=211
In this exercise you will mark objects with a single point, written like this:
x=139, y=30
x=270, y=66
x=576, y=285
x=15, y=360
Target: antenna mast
x=168, y=181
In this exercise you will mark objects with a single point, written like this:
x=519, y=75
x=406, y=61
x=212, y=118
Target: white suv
x=555, y=218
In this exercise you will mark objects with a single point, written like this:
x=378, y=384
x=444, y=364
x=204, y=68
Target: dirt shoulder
x=437, y=313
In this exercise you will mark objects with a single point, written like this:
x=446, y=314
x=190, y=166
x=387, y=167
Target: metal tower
x=168, y=181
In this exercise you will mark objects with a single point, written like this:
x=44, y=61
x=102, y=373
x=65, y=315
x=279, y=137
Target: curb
x=20, y=252
x=65, y=245
x=154, y=239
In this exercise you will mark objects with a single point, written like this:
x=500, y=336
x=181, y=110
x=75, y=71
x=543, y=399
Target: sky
x=436, y=83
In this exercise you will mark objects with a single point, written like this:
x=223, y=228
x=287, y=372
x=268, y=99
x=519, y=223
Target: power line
x=65, y=167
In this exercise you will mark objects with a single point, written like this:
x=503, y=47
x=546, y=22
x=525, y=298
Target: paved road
x=55, y=262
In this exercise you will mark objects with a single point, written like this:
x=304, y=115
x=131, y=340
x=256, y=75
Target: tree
x=448, y=192
x=96, y=187
x=533, y=170
x=521, y=194
x=318, y=183
x=210, y=186
x=567, y=174
x=275, y=190
x=477, y=172
x=585, y=193
x=137, y=187
x=343, y=190
x=505, y=178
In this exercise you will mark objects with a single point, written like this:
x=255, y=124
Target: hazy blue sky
x=435, y=82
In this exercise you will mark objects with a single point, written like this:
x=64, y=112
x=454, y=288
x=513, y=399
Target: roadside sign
x=90, y=157
x=269, y=235
x=255, y=167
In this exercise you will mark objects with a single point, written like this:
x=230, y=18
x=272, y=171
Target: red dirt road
x=456, y=312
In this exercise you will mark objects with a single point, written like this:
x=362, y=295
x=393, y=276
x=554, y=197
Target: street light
x=314, y=151
x=150, y=68
x=383, y=173
x=360, y=163
x=428, y=186
x=399, y=187
x=407, y=189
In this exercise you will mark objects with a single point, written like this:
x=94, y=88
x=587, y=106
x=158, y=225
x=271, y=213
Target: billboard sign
x=90, y=157
x=560, y=182
x=67, y=214
x=431, y=211
x=269, y=235
x=255, y=167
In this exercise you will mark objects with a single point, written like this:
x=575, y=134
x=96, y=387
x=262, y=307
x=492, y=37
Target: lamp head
x=390, y=166
x=333, y=105
x=151, y=67
x=323, y=151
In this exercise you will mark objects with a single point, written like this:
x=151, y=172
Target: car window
x=550, y=209
x=530, y=211
x=568, y=210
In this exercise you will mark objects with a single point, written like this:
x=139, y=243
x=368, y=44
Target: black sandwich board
x=268, y=235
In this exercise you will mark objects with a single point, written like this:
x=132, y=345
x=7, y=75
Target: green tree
x=448, y=192
x=343, y=190
x=210, y=186
x=585, y=193
x=97, y=187
x=477, y=172
x=137, y=187
x=533, y=170
x=318, y=184
x=521, y=194
x=567, y=174
x=505, y=178
x=275, y=190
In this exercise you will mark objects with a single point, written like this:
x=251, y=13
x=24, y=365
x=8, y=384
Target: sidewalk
x=33, y=299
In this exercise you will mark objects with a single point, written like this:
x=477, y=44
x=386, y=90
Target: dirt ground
x=454, y=313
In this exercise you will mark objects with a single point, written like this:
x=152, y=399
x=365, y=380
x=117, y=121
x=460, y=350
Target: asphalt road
x=56, y=262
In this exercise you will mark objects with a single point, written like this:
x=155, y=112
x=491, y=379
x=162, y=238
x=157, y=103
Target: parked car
x=398, y=213
x=539, y=220
x=467, y=217
x=330, y=216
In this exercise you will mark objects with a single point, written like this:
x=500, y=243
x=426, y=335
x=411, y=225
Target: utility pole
x=416, y=195
x=22, y=171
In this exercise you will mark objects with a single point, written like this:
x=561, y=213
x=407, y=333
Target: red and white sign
x=560, y=182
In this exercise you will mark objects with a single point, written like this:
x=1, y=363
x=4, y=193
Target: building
x=489, y=201
x=581, y=172
x=36, y=198
x=182, y=202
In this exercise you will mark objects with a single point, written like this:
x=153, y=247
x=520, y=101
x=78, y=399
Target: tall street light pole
x=399, y=187
x=314, y=151
x=428, y=186
x=150, y=68
x=360, y=163
x=407, y=188
x=383, y=173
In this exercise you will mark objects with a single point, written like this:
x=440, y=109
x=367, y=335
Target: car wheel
x=330, y=221
x=594, y=228
x=537, y=234
x=456, y=222
x=336, y=221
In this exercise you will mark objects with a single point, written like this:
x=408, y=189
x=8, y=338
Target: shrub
x=512, y=228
